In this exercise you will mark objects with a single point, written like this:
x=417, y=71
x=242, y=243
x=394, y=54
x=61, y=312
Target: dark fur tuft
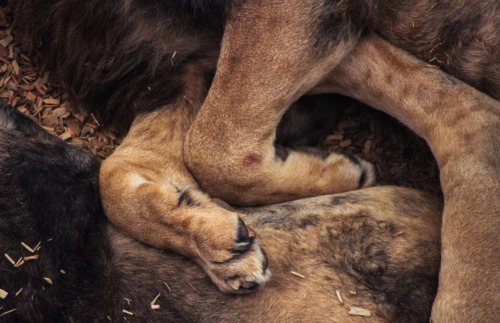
x=48, y=194
x=366, y=249
x=140, y=59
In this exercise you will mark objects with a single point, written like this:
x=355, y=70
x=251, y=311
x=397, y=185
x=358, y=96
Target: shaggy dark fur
x=48, y=194
x=120, y=58
x=123, y=57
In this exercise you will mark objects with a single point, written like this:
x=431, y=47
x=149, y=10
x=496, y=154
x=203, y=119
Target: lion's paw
x=226, y=249
x=246, y=268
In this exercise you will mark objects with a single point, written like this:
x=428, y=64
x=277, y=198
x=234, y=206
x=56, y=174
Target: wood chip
x=341, y=301
x=24, y=86
x=66, y=135
x=62, y=271
x=60, y=111
x=168, y=287
x=352, y=292
x=127, y=312
x=52, y=101
x=3, y=52
x=3, y=294
x=359, y=311
x=19, y=291
x=153, y=305
x=297, y=274
x=345, y=143
x=6, y=41
x=48, y=280
x=15, y=67
x=334, y=137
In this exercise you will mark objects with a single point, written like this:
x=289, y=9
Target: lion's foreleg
x=148, y=192
x=267, y=63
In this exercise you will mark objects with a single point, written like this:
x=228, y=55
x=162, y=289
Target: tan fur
x=336, y=243
x=460, y=124
x=263, y=68
x=273, y=52
x=254, y=113
x=140, y=195
x=462, y=127
x=377, y=249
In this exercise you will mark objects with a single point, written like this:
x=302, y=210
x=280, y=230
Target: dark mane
x=139, y=61
x=48, y=194
x=212, y=11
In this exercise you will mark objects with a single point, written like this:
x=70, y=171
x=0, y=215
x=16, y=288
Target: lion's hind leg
x=461, y=126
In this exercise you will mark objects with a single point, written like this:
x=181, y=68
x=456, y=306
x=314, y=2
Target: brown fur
x=377, y=248
x=271, y=54
x=460, y=125
x=463, y=136
x=345, y=242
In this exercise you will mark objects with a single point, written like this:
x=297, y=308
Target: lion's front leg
x=263, y=68
x=147, y=192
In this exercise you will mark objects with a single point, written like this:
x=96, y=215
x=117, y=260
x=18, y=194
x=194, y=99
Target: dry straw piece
x=341, y=301
x=19, y=262
x=397, y=234
x=194, y=288
x=10, y=259
x=297, y=274
x=359, y=311
x=34, y=257
x=168, y=287
x=153, y=305
x=8, y=312
x=27, y=247
x=127, y=312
